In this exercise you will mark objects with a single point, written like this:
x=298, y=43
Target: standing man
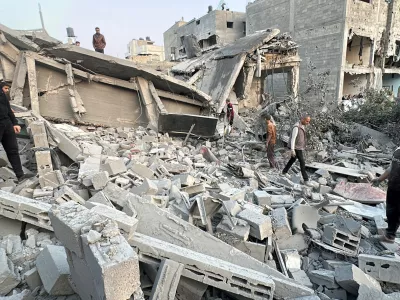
x=230, y=114
x=271, y=141
x=392, y=197
x=99, y=42
x=8, y=129
x=297, y=144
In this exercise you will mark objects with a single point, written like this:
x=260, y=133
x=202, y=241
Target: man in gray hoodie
x=297, y=144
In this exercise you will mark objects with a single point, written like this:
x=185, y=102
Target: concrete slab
x=167, y=280
x=304, y=214
x=360, y=192
x=351, y=278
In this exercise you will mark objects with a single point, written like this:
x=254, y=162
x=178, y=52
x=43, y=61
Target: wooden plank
x=18, y=82
x=32, y=80
x=337, y=170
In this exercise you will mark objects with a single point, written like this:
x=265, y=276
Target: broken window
x=394, y=61
x=182, y=40
x=244, y=27
x=211, y=41
x=229, y=24
x=198, y=22
x=358, y=50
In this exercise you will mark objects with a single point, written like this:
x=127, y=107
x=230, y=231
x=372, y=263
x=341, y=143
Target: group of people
x=98, y=41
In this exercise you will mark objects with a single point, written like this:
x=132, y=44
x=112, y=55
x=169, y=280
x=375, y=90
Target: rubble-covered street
x=138, y=190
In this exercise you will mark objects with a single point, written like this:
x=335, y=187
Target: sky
x=119, y=20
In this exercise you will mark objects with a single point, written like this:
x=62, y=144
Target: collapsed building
x=120, y=210
x=356, y=41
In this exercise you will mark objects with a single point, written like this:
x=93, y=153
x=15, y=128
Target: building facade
x=355, y=42
x=217, y=28
x=144, y=50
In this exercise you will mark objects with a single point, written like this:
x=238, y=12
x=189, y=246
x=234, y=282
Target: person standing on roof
x=271, y=141
x=297, y=144
x=392, y=197
x=99, y=42
x=8, y=129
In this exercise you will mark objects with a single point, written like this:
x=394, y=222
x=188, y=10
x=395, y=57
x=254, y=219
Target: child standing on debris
x=8, y=129
x=392, y=195
x=297, y=144
x=271, y=141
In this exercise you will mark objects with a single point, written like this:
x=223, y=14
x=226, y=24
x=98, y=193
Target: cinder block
x=51, y=179
x=292, y=259
x=100, y=180
x=68, y=220
x=344, y=234
x=116, y=276
x=262, y=198
x=142, y=171
x=304, y=214
x=325, y=278
x=167, y=280
x=101, y=198
x=350, y=278
x=43, y=161
x=381, y=268
x=66, y=194
x=280, y=223
x=241, y=230
x=282, y=199
x=260, y=225
x=114, y=167
x=53, y=269
x=32, y=278
x=147, y=188
x=253, y=249
x=190, y=289
x=9, y=276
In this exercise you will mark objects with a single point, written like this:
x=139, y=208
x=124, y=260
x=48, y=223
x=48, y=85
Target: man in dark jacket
x=8, y=129
x=392, y=197
x=99, y=42
x=230, y=113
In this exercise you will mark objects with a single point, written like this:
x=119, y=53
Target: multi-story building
x=356, y=41
x=144, y=50
x=217, y=27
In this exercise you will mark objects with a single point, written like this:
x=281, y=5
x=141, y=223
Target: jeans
x=300, y=157
x=9, y=141
x=392, y=212
x=99, y=50
x=271, y=156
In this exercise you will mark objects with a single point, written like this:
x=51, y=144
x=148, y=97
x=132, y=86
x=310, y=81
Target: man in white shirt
x=297, y=144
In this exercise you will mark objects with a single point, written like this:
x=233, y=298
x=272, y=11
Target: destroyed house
x=243, y=71
x=66, y=82
x=355, y=42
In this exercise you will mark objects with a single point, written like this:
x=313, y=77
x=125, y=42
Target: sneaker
x=385, y=239
x=25, y=176
x=287, y=175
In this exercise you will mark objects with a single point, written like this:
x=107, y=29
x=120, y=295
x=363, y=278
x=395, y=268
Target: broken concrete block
x=68, y=220
x=367, y=293
x=194, y=189
x=233, y=194
x=9, y=276
x=292, y=259
x=125, y=223
x=325, y=278
x=296, y=241
x=344, y=234
x=282, y=199
x=142, y=171
x=6, y=173
x=280, y=223
x=53, y=269
x=122, y=182
x=32, y=278
x=232, y=207
x=101, y=198
x=301, y=277
x=260, y=225
x=51, y=179
x=324, y=189
x=167, y=280
x=9, y=226
x=241, y=230
x=336, y=293
x=43, y=161
x=186, y=179
x=262, y=198
x=351, y=278
x=114, y=167
x=380, y=223
x=115, y=194
x=333, y=264
x=113, y=264
x=381, y=268
x=253, y=249
x=160, y=201
x=304, y=214
x=148, y=187
x=90, y=167
x=100, y=180
x=66, y=194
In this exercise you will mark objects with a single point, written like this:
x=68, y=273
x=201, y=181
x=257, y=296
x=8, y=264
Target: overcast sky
x=119, y=20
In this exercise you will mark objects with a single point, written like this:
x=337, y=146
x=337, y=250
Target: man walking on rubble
x=392, y=197
x=99, y=42
x=271, y=141
x=297, y=144
x=8, y=129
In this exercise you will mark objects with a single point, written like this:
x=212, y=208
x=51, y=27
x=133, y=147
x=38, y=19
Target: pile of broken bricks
x=122, y=213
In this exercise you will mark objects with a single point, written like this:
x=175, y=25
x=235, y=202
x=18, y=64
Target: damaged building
x=355, y=41
x=243, y=71
x=216, y=28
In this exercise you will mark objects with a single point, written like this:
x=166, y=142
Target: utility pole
x=41, y=17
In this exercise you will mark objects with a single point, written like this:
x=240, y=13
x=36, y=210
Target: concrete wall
x=316, y=25
x=180, y=108
x=209, y=25
x=355, y=84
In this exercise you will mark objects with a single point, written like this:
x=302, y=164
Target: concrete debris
x=161, y=200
